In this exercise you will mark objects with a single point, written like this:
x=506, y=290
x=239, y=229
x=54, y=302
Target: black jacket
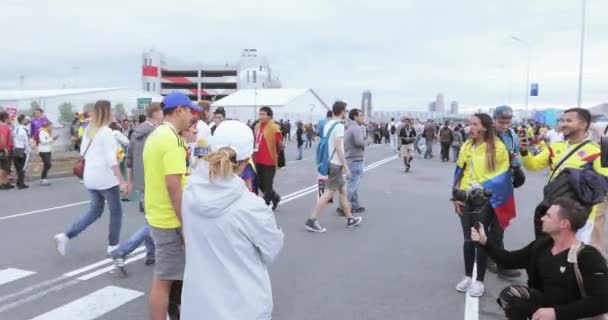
x=591, y=263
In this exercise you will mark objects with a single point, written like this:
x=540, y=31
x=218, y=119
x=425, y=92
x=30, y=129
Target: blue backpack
x=323, y=156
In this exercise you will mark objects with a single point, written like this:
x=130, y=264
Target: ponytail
x=222, y=163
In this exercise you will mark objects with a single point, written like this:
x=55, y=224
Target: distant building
x=207, y=82
x=439, y=104
x=433, y=106
x=366, y=103
x=454, y=107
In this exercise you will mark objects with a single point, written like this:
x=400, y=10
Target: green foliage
x=119, y=111
x=66, y=113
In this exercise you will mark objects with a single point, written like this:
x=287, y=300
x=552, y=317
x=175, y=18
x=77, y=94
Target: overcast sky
x=404, y=51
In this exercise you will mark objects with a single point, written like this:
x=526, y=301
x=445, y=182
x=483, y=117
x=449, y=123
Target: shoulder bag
x=78, y=169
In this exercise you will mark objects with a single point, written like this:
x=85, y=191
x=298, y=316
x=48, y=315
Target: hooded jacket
x=231, y=238
x=135, y=153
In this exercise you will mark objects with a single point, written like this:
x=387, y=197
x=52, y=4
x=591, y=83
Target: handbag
x=78, y=168
x=573, y=258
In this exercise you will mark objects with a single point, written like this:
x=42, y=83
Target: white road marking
x=12, y=274
x=93, y=305
x=107, y=269
x=95, y=265
x=44, y=210
x=471, y=304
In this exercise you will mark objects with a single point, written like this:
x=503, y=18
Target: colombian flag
x=500, y=181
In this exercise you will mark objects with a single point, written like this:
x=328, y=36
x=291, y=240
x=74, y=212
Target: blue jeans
x=356, y=171
x=98, y=199
x=141, y=235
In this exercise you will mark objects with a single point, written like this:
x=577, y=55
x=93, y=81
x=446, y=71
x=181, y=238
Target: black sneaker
x=150, y=261
x=353, y=222
x=314, y=226
x=358, y=210
x=275, y=203
x=23, y=186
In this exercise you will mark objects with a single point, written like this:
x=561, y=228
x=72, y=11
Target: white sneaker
x=463, y=286
x=477, y=289
x=112, y=248
x=61, y=243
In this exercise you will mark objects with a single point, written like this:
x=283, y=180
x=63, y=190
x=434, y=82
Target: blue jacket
x=511, y=141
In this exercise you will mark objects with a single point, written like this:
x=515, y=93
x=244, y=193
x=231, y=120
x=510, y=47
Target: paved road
x=402, y=263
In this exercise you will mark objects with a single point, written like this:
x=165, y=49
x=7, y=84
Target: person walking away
x=429, y=135
x=288, y=130
x=300, y=139
x=354, y=145
x=309, y=136
x=457, y=142
x=566, y=279
x=45, y=148
x=21, y=150
x=445, y=139
x=576, y=153
x=267, y=145
x=394, y=130
x=165, y=160
x=334, y=135
x=230, y=233
x=102, y=178
x=407, y=138
x=6, y=150
x=135, y=174
x=482, y=167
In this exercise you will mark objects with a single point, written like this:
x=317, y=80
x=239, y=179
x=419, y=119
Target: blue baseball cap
x=176, y=99
x=503, y=112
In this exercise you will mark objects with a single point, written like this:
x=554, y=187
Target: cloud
x=405, y=52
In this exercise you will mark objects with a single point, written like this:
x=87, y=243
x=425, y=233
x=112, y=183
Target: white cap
x=235, y=135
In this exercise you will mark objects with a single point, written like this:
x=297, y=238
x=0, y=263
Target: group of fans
x=566, y=266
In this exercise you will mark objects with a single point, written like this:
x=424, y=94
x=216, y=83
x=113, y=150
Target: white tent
x=288, y=104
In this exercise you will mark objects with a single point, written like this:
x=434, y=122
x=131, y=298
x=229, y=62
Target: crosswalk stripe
x=93, y=305
x=12, y=274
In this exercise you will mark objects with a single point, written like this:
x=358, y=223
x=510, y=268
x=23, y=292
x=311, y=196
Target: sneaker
x=463, y=286
x=81, y=181
x=111, y=249
x=358, y=209
x=353, y=222
x=61, y=243
x=275, y=203
x=314, y=226
x=150, y=261
x=119, y=262
x=45, y=182
x=476, y=289
x=23, y=186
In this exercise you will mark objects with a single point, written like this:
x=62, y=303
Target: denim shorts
x=170, y=254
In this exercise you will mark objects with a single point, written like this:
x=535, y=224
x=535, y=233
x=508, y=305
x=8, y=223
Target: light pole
x=582, y=55
x=527, y=45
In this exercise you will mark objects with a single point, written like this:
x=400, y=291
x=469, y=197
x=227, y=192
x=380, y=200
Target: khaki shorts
x=170, y=254
x=335, y=180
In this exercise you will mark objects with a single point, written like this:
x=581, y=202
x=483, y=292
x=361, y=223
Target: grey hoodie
x=354, y=142
x=232, y=237
x=134, y=158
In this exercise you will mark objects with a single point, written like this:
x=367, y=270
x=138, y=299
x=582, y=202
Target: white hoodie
x=231, y=238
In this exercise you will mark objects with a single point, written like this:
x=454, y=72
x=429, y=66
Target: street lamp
x=582, y=54
x=528, y=47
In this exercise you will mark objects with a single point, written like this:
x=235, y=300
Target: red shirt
x=5, y=133
x=263, y=155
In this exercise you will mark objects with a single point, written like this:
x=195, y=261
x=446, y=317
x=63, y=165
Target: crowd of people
x=205, y=186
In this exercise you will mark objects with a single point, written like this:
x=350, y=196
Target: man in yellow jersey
x=576, y=152
x=165, y=157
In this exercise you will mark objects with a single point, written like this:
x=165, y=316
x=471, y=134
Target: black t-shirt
x=554, y=271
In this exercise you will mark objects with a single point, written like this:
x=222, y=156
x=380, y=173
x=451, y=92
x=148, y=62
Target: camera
x=475, y=199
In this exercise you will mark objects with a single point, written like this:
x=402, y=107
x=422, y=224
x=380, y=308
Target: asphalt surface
x=402, y=263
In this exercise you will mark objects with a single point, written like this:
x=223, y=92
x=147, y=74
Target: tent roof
x=12, y=95
x=264, y=97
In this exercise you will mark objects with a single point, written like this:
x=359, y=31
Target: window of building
x=147, y=86
x=261, y=69
x=153, y=86
x=248, y=77
x=255, y=78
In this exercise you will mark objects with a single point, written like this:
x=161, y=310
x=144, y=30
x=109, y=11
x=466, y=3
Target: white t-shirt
x=337, y=133
x=203, y=131
x=99, y=160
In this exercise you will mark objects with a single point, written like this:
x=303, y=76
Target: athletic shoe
x=119, y=262
x=45, y=182
x=275, y=202
x=407, y=168
x=111, y=249
x=61, y=243
x=150, y=261
x=476, y=289
x=23, y=186
x=353, y=222
x=314, y=226
x=463, y=286
x=358, y=209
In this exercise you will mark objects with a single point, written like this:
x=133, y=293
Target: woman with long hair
x=102, y=178
x=483, y=192
x=230, y=233
x=45, y=147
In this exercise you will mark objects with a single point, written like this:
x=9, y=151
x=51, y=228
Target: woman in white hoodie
x=230, y=235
